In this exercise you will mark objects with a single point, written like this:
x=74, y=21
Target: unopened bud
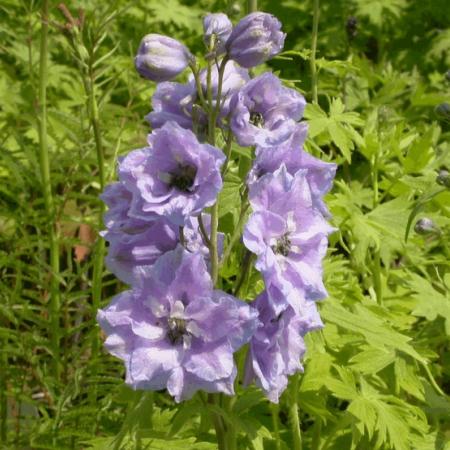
x=235, y=9
x=255, y=39
x=443, y=178
x=161, y=58
x=219, y=26
x=443, y=110
x=425, y=227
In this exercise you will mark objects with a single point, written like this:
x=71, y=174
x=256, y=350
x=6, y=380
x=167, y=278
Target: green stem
x=432, y=380
x=3, y=397
x=229, y=403
x=203, y=231
x=213, y=239
x=99, y=252
x=44, y=163
x=219, y=424
x=276, y=428
x=293, y=414
x=236, y=233
x=316, y=434
x=252, y=6
x=198, y=86
x=315, y=31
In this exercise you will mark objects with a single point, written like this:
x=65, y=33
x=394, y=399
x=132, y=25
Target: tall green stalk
x=315, y=32
x=3, y=396
x=44, y=164
x=219, y=423
x=274, y=409
x=99, y=251
x=294, y=420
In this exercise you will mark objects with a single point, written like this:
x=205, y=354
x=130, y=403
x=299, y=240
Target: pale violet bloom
x=175, y=177
x=131, y=253
x=288, y=236
x=176, y=331
x=175, y=101
x=277, y=346
x=320, y=174
x=264, y=112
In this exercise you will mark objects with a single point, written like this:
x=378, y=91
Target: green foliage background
x=376, y=376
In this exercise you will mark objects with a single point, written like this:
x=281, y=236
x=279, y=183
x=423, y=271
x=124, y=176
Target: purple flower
x=176, y=331
x=221, y=27
x=132, y=253
x=255, y=39
x=264, y=112
x=277, y=346
x=288, y=236
x=118, y=198
x=234, y=78
x=176, y=176
x=174, y=101
x=161, y=58
x=320, y=174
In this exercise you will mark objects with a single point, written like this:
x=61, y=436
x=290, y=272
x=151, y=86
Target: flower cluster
x=173, y=329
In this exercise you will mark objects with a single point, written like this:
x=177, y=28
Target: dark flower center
x=177, y=329
x=256, y=119
x=278, y=318
x=183, y=178
x=282, y=246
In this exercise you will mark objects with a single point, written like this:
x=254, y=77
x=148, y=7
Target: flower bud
x=234, y=9
x=443, y=110
x=255, y=39
x=221, y=27
x=161, y=58
x=443, y=178
x=425, y=227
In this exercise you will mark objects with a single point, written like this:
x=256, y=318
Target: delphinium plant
x=181, y=325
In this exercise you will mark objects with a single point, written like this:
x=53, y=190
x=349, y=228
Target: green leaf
x=429, y=302
x=375, y=331
x=229, y=196
x=372, y=360
x=420, y=152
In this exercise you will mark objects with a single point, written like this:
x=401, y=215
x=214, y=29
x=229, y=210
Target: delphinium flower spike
x=173, y=328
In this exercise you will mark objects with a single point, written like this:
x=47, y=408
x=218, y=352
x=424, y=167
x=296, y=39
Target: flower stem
x=315, y=31
x=219, y=424
x=252, y=6
x=203, y=231
x=293, y=414
x=276, y=429
x=316, y=434
x=213, y=240
x=99, y=251
x=44, y=163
